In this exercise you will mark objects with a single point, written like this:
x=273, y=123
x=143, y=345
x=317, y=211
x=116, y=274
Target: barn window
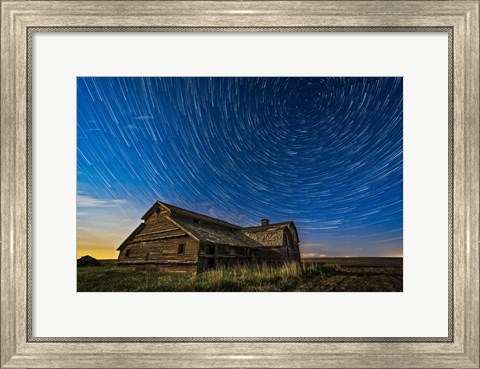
x=248, y=252
x=127, y=253
x=181, y=249
x=157, y=211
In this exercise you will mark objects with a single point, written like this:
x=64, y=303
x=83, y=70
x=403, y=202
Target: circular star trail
x=326, y=153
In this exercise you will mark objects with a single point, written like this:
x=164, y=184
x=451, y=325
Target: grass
x=259, y=278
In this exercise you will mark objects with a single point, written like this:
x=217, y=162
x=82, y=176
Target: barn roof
x=210, y=232
x=175, y=210
x=216, y=231
x=271, y=235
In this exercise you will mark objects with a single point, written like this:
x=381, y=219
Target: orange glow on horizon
x=396, y=255
x=97, y=246
x=97, y=252
x=100, y=243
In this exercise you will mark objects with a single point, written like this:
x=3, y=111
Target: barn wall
x=156, y=247
x=290, y=251
x=158, y=226
x=268, y=254
x=216, y=256
x=160, y=250
x=296, y=246
x=156, y=267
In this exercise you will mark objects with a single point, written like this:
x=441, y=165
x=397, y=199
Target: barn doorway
x=211, y=250
x=211, y=263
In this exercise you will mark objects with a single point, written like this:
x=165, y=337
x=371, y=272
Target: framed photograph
x=240, y=184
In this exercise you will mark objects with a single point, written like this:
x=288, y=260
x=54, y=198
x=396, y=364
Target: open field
x=314, y=275
x=362, y=274
x=394, y=262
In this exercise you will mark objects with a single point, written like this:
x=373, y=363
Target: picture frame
x=20, y=19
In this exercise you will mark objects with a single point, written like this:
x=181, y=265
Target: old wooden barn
x=175, y=239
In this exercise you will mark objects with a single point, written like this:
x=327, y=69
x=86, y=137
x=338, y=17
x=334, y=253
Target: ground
x=362, y=275
x=314, y=275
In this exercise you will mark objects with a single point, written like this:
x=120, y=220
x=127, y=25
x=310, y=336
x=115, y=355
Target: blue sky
x=326, y=153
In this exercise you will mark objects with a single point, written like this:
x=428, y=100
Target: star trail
x=325, y=152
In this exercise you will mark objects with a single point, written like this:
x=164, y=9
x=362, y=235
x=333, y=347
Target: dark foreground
x=363, y=274
x=314, y=275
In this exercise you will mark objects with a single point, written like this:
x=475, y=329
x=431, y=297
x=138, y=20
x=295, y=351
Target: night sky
x=326, y=153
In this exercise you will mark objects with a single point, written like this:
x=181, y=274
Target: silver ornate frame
x=21, y=19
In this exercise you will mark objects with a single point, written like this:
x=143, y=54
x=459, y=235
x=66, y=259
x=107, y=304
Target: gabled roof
x=269, y=226
x=210, y=232
x=216, y=231
x=175, y=210
x=268, y=235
